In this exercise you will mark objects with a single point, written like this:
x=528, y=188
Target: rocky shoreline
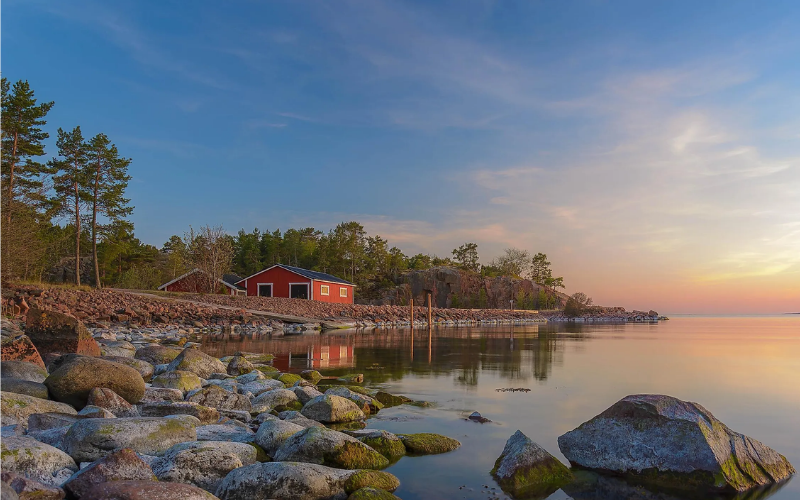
x=210, y=313
x=86, y=414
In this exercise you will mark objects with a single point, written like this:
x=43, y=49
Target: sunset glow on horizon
x=650, y=149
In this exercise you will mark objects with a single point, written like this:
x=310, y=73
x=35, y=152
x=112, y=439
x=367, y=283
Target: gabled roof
x=306, y=273
x=231, y=279
x=196, y=270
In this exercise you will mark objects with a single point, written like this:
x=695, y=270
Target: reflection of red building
x=337, y=353
x=295, y=283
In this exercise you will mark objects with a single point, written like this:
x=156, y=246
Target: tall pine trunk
x=77, y=231
x=94, y=228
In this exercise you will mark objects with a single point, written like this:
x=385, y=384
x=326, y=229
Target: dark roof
x=306, y=273
x=315, y=275
x=232, y=279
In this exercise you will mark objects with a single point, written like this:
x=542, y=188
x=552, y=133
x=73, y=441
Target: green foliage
x=577, y=304
x=514, y=262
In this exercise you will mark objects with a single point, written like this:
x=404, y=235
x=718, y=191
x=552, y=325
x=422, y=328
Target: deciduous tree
x=467, y=256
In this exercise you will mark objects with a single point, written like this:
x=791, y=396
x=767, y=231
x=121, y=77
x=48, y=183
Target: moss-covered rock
x=144, y=368
x=19, y=386
x=425, y=443
x=255, y=357
x=311, y=375
x=157, y=354
x=385, y=443
x=36, y=460
x=75, y=378
x=195, y=361
x=267, y=369
x=289, y=379
x=371, y=479
x=389, y=400
x=372, y=494
x=525, y=469
x=332, y=409
x=352, y=378
x=320, y=445
x=203, y=463
x=205, y=414
x=178, y=379
x=16, y=408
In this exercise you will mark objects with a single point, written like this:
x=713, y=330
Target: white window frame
x=324, y=289
x=343, y=291
x=306, y=284
x=271, y=289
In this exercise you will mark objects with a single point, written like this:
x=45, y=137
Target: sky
x=650, y=149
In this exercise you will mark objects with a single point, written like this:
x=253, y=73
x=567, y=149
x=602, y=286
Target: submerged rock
x=662, y=440
x=525, y=468
x=389, y=400
x=320, y=445
x=425, y=443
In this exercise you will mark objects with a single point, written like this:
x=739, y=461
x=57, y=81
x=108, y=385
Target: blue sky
x=623, y=139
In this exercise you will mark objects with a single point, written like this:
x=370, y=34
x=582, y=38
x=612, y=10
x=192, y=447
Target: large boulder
x=296, y=417
x=52, y=331
x=215, y=396
x=526, y=469
x=225, y=432
x=157, y=354
x=260, y=386
x=659, y=440
x=93, y=438
x=147, y=490
x=178, y=379
x=18, y=407
x=306, y=393
x=384, y=442
x=36, y=460
x=74, y=379
x=204, y=413
x=298, y=481
x=122, y=465
x=371, y=479
x=320, y=445
x=239, y=365
x=273, y=433
x=332, y=409
x=203, y=463
x=111, y=401
x=425, y=443
x=51, y=420
x=23, y=370
x=19, y=386
x=197, y=362
x=361, y=400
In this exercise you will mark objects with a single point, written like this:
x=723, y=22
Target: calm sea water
x=746, y=371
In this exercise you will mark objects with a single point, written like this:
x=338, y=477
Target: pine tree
x=107, y=183
x=22, y=138
x=70, y=183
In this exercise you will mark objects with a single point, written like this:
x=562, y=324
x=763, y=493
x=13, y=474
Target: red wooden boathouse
x=293, y=282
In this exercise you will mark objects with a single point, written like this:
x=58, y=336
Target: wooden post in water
x=412, y=313
x=430, y=311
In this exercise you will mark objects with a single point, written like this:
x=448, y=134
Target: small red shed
x=293, y=282
x=197, y=281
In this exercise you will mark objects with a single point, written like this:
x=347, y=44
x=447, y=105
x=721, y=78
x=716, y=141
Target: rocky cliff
x=451, y=287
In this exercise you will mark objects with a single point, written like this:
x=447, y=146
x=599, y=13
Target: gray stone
x=54, y=437
x=239, y=366
x=663, y=440
x=217, y=397
x=361, y=400
x=306, y=393
x=145, y=369
x=147, y=490
x=332, y=409
x=197, y=362
x=272, y=434
x=19, y=407
x=251, y=377
x=257, y=387
x=90, y=411
x=297, y=481
x=229, y=385
x=20, y=386
x=203, y=463
x=90, y=439
x=161, y=394
x=225, y=432
x=7, y=492
x=296, y=417
x=157, y=354
x=324, y=446
x=117, y=348
x=36, y=460
x=526, y=469
x=23, y=370
x=122, y=465
x=111, y=401
x=204, y=413
x=50, y=420
x=26, y=488
x=277, y=398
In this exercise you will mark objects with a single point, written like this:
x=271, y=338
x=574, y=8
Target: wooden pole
x=412, y=313
x=430, y=311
